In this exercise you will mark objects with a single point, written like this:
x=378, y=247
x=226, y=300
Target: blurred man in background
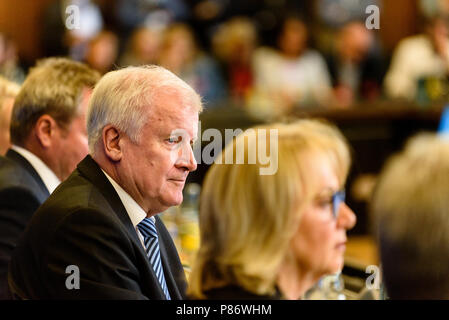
x=48, y=136
x=411, y=219
x=417, y=59
x=355, y=68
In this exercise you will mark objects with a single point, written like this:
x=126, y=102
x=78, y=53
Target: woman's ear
x=111, y=141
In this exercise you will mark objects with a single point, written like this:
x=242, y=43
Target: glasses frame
x=337, y=199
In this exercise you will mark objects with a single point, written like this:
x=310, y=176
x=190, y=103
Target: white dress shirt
x=135, y=212
x=413, y=58
x=49, y=178
x=304, y=79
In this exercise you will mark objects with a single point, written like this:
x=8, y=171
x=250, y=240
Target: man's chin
x=175, y=201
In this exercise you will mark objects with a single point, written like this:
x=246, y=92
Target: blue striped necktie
x=148, y=230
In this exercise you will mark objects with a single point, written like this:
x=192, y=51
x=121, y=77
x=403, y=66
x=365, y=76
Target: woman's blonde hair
x=247, y=219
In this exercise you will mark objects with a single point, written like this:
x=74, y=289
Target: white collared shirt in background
x=414, y=58
x=135, y=212
x=49, y=178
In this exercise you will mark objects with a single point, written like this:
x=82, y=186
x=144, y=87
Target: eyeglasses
x=337, y=198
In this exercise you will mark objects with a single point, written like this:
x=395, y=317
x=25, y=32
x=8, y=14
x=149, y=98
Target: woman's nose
x=346, y=217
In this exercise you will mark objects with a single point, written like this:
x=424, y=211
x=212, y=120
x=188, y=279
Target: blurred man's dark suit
x=22, y=191
x=84, y=223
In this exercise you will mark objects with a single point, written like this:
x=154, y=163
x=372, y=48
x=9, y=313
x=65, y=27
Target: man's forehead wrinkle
x=167, y=118
x=166, y=124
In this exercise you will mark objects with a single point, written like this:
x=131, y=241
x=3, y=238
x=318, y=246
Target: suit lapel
x=17, y=158
x=92, y=171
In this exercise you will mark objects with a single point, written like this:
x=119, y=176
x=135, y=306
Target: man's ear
x=111, y=140
x=45, y=130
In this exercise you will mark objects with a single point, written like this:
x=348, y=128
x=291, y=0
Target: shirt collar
x=49, y=178
x=135, y=212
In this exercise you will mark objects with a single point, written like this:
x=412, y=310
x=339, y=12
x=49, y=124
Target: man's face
x=72, y=144
x=154, y=171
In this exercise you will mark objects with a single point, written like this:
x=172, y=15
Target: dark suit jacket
x=371, y=72
x=22, y=191
x=84, y=224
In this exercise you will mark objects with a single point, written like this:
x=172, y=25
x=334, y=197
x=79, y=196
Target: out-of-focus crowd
x=228, y=56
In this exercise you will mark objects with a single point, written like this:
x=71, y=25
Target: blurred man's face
x=356, y=41
x=71, y=142
x=154, y=171
x=439, y=32
x=293, y=39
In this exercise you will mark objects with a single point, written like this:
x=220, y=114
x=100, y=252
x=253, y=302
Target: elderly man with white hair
x=411, y=220
x=98, y=236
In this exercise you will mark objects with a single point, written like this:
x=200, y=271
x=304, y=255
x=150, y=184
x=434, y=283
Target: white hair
x=124, y=98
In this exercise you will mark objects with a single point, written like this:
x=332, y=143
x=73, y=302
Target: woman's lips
x=341, y=246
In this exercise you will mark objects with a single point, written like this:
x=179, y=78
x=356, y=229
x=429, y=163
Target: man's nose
x=186, y=158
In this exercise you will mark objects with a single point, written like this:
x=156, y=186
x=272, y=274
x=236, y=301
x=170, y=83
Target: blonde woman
x=274, y=236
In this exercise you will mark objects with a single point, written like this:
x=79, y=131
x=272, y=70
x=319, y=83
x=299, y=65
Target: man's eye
x=173, y=140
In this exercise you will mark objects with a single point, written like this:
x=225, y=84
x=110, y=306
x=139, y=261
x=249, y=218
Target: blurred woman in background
x=234, y=44
x=143, y=48
x=102, y=51
x=293, y=76
x=181, y=55
x=273, y=236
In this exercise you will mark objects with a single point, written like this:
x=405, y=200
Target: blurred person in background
x=90, y=24
x=9, y=61
x=8, y=92
x=102, y=52
x=279, y=239
x=234, y=43
x=293, y=76
x=131, y=14
x=180, y=54
x=418, y=58
x=355, y=68
x=411, y=220
x=48, y=137
x=143, y=48
x=67, y=32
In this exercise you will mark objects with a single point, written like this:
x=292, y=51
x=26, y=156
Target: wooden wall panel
x=22, y=20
